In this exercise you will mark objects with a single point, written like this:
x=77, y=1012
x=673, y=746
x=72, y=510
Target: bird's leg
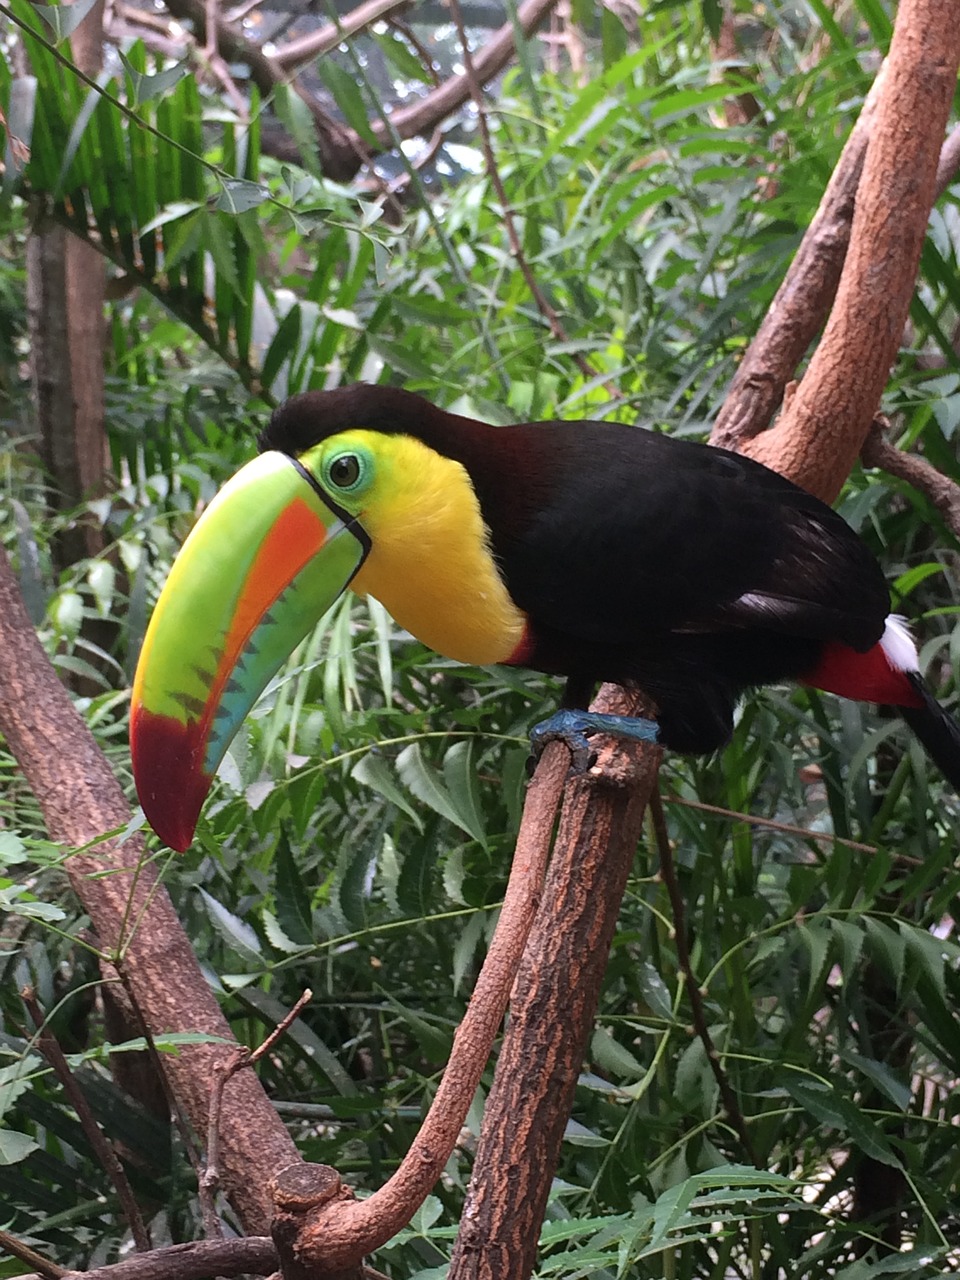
x=572, y=724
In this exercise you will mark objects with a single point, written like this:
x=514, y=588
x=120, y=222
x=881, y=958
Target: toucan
x=592, y=550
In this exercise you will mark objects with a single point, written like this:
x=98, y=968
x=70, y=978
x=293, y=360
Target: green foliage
x=360, y=834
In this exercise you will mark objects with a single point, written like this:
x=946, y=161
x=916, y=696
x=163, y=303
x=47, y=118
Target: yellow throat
x=430, y=563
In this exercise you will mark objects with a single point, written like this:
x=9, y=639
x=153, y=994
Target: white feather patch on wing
x=898, y=645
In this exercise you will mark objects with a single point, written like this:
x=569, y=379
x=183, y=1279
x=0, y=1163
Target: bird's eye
x=345, y=471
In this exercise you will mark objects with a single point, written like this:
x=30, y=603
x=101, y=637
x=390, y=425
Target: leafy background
x=360, y=834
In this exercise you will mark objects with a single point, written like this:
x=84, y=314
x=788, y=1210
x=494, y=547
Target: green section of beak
x=262, y=566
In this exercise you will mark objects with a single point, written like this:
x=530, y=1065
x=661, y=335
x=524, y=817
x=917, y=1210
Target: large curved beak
x=266, y=560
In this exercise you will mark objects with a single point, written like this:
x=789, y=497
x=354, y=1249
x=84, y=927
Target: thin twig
x=49, y=1046
x=209, y=1180
x=41, y=1265
x=787, y=828
x=493, y=172
x=668, y=873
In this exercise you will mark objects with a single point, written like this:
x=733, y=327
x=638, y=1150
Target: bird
x=594, y=551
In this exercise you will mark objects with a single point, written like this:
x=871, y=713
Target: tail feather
x=936, y=729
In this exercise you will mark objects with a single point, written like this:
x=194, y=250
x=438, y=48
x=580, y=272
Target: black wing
x=615, y=533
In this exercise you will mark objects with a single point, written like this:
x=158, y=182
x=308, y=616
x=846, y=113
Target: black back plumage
x=638, y=557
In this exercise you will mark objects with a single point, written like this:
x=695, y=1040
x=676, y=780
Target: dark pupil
x=345, y=471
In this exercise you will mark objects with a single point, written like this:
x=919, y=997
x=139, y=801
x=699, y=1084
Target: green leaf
x=424, y=782
x=234, y=931
x=347, y=95
x=237, y=195
x=284, y=344
x=373, y=771
x=146, y=87
x=831, y=1108
x=291, y=895
x=460, y=775
x=296, y=118
x=15, y=1147
x=63, y=19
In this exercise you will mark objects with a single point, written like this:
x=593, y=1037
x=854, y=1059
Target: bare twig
x=943, y=492
x=47, y=1044
x=754, y=820
x=668, y=873
x=41, y=1265
x=209, y=1181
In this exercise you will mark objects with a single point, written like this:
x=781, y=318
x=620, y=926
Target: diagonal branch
x=820, y=433
x=318, y=1226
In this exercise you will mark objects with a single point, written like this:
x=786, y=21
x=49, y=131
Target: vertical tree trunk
x=66, y=282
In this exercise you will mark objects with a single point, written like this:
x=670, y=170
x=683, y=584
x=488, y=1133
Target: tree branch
x=943, y=492
x=342, y=151
x=326, y=38
x=821, y=432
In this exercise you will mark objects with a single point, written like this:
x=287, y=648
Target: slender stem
x=669, y=873
x=48, y=1045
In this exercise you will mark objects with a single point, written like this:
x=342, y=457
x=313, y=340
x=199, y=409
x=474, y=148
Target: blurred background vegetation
x=360, y=834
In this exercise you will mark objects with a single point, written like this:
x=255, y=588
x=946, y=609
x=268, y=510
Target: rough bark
x=320, y=1231
x=821, y=432
x=552, y=1010
x=129, y=909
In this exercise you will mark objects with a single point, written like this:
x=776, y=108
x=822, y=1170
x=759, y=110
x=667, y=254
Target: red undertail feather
x=889, y=673
x=885, y=673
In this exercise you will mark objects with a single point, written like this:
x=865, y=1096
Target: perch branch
x=552, y=1008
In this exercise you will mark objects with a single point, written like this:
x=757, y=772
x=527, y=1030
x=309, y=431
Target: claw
x=573, y=727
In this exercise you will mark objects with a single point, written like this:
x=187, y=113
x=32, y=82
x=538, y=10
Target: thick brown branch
x=341, y=150
x=808, y=290
x=130, y=910
x=801, y=302
x=324, y=1231
x=552, y=1010
x=821, y=432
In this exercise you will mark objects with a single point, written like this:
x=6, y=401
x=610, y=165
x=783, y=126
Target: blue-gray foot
x=573, y=728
